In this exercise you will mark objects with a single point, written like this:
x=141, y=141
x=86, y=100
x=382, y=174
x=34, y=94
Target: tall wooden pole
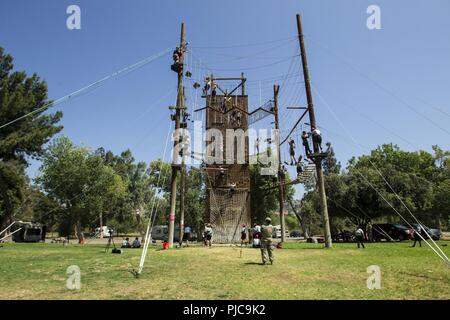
x=276, y=88
x=312, y=120
x=175, y=165
x=182, y=176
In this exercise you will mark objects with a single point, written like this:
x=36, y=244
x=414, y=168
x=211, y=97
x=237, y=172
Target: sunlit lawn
x=301, y=271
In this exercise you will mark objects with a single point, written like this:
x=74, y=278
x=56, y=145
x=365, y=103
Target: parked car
x=345, y=236
x=162, y=233
x=28, y=232
x=105, y=230
x=391, y=231
x=296, y=234
x=434, y=233
x=276, y=233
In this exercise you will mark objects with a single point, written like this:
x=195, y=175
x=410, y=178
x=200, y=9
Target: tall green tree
x=20, y=95
x=80, y=181
x=264, y=193
x=410, y=181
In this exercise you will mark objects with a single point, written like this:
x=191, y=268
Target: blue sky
x=388, y=85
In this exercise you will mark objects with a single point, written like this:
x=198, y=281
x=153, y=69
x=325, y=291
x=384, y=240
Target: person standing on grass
x=207, y=234
x=187, y=234
x=359, y=237
x=266, y=242
x=417, y=233
x=243, y=234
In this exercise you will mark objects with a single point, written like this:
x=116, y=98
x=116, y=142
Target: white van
x=107, y=232
x=276, y=233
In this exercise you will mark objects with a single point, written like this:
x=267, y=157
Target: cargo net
x=227, y=213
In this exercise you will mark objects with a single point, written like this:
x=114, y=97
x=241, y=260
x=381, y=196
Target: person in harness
x=232, y=187
x=305, y=137
x=317, y=138
x=207, y=234
x=359, y=237
x=178, y=58
x=207, y=86
x=292, y=151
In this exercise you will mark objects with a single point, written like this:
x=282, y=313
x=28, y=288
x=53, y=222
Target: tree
x=20, y=95
x=80, y=181
x=411, y=181
x=264, y=193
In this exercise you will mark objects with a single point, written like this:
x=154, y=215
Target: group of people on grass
x=258, y=236
x=419, y=233
x=135, y=244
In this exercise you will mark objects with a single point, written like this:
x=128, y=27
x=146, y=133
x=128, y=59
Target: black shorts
x=243, y=236
x=186, y=236
x=208, y=237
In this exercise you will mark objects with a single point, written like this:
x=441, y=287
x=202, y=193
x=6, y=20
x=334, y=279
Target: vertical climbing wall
x=227, y=208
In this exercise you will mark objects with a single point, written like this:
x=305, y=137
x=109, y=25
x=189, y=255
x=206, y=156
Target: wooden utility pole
x=312, y=120
x=182, y=176
x=276, y=88
x=182, y=190
x=175, y=165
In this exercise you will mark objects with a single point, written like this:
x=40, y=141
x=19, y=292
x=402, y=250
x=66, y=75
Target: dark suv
x=391, y=231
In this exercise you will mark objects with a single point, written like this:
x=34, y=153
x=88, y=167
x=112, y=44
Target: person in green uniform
x=266, y=242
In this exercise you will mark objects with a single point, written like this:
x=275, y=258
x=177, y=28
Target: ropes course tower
x=227, y=161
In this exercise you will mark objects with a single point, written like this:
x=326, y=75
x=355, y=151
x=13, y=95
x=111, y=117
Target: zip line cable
x=254, y=55
x=384, y=179
x=93, y=85
x=377, y=123
x=387, y=183
x=380, y=86
x=60, y=184
x=444, y=257
x=150, y=224
x=251, y=68
x=245, y=45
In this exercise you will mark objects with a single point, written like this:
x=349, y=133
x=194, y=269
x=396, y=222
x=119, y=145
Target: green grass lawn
x=301, y=271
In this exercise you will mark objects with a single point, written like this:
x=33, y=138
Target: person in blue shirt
x=136, y=243
x=187, y=234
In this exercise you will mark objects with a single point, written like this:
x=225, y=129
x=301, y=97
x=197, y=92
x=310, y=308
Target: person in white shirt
x=207, y=234
x=317, y=138
x=126, y=243
x=359, y=237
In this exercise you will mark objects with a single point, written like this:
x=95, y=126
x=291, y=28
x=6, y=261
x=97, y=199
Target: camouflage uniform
x=266, y=243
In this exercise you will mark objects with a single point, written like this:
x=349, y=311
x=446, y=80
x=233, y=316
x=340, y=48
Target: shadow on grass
x=254, y=263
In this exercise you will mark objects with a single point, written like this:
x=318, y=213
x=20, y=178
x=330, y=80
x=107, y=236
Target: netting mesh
x=228, y=210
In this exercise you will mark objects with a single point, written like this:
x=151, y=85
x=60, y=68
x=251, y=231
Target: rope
x=252, y=68
x=443, y=257
x=93, y=85
x=380, y=86
x=8, y=227
x=245, y=45
x=150, y=224
x=9, y=235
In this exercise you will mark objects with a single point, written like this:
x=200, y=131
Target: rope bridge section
x=261, y=112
